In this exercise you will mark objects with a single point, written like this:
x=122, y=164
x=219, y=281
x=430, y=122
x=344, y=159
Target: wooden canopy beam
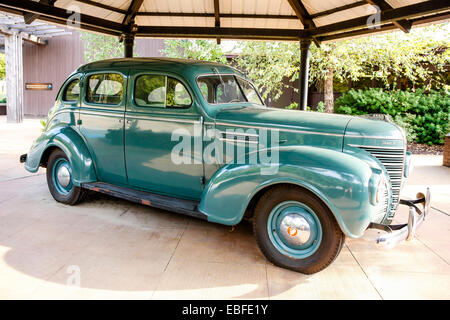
x=403, y=25
x=30, y=17
x=301, y=13
x=386, y=27
x=338, y=9
x=392, y=15
x=103, y=6
x=224, y=33
x=61, y=16
x=217, y=17
x=36, y=39
x=132, y=11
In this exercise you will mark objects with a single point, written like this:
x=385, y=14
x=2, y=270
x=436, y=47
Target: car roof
x=180, y=65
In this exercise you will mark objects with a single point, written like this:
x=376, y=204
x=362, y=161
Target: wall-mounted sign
x=38, y=86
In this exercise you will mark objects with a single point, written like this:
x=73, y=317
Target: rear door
x=102, y=122
x=162, y=118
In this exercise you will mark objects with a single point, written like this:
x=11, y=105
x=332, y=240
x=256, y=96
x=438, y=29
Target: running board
x=186, y=207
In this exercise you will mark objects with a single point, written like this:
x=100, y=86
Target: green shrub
x=424, y=116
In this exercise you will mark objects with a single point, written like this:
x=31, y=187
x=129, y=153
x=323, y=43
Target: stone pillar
x=446, y=161
x=304, y=70
x=14, y=77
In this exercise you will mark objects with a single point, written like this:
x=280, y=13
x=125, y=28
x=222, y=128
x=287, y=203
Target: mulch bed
x=417, y=148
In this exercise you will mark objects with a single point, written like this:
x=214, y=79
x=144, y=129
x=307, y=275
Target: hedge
x=423, y=115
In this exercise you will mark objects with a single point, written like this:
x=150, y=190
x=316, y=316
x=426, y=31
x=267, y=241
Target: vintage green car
x=196, y=138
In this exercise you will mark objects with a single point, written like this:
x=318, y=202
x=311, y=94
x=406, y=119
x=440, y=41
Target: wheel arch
x=72, y=144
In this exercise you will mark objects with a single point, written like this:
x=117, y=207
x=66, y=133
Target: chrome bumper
x=397, y=233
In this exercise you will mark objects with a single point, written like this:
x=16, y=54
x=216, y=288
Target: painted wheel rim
x=294, y=229
x=62, y=176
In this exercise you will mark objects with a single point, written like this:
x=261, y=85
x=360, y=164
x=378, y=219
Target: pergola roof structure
x=36, y=32
x=286, y=20
x=322, y=20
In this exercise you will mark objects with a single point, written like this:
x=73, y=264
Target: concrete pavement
x=116, y=249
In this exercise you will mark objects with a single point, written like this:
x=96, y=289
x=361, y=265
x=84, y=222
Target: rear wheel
x=296, y=230
x=59, y=179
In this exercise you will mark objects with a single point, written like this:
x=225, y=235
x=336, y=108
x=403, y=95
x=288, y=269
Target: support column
x=128, y=44
x=304, y=69
x=14, y=77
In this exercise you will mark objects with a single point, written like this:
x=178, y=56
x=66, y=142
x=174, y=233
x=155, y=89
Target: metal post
x=128, y=44
x=304, y=69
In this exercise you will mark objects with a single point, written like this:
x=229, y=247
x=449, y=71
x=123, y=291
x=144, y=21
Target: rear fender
x=67, y=139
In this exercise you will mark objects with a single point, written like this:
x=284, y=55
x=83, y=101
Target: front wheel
x=295, y=230
x=60, y=181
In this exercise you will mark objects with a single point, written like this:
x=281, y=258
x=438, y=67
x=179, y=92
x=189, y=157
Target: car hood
x=315, y=122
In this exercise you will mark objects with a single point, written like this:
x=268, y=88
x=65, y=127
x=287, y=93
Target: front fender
x=67, y=139
x=339, y=179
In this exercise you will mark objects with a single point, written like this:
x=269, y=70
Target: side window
x=160, y=91
x=72, y=91
x=177, y=94
x=150, y=91
x=105, y=88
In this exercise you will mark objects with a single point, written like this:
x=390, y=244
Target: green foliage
x=292, y=106
x=321, y=107
x=424, y=116
x=99, y=47
x=43, y=123
x=206, y=50
x=2, y=66
x=419, y=58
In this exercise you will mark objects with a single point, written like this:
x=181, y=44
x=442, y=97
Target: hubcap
x=63, y=175
x=294, y=229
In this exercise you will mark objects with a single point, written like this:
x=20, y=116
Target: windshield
x=219, y=89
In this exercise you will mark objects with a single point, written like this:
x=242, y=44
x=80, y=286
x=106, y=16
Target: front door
x=102, y=123
x=162, y=124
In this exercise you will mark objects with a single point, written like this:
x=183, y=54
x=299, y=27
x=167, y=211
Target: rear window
x=72, y=91
x=105, y=88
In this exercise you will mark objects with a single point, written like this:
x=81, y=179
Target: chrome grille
x=384, y=207
x=393, y=160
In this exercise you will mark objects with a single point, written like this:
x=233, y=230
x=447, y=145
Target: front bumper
x=397, y=233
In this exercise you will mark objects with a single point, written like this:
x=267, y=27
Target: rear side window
x=72, y=91
x=105, y=88
x=160, y=91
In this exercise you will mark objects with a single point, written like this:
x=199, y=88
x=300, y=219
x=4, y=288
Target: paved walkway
x=123, y=250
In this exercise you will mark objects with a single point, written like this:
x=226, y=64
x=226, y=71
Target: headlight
x=381, y=193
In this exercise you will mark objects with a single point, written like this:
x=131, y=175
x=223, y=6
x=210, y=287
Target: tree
x=417, y=59
x=99, y=47
x=206, y=50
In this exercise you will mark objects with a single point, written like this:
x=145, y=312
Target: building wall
x=49, y=63
x=53, y=62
